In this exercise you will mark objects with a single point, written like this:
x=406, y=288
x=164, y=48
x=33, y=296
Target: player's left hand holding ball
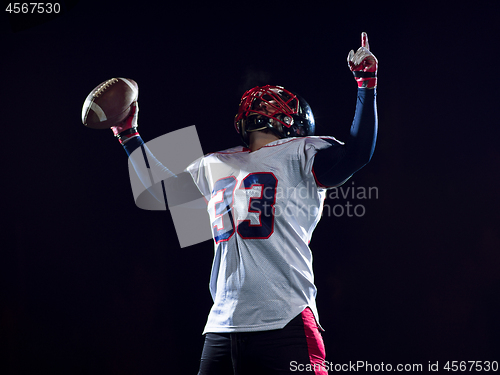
x=363, y=64
x=113, y=105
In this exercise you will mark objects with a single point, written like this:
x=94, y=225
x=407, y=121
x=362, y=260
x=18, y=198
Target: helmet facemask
x=274, y=108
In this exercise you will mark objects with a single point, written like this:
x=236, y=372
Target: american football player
x=264, y=203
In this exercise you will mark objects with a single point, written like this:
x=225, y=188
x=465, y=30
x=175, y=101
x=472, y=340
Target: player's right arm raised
x=334, y=165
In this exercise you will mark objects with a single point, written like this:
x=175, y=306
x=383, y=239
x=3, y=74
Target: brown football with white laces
x=109, y=103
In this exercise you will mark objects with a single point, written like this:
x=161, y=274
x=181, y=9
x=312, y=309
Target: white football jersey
x=263, y=207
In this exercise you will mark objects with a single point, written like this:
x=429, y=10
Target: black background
x=94, y=285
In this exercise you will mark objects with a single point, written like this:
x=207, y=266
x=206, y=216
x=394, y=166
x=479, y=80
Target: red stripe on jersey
x=315, y=344
x=316, y=179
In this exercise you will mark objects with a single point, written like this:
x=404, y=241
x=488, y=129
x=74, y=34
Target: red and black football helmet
x=273, y=107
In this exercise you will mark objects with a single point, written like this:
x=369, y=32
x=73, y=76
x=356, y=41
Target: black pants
x=297, y=346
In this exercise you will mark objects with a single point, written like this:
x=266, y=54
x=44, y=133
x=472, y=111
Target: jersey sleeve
x=198, y=171
x=311, y=147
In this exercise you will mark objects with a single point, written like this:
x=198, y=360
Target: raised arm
x=159, y=181
x=334, y=165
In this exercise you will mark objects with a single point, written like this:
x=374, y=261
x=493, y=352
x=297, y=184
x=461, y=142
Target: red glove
x=363, y=64
x=128, y=127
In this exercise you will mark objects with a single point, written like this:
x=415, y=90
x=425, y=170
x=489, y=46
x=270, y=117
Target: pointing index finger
x=364, y=40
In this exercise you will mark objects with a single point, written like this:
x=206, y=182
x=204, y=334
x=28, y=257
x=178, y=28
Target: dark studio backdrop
x=93, y=285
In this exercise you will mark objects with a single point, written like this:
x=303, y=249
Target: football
x=109, y=103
